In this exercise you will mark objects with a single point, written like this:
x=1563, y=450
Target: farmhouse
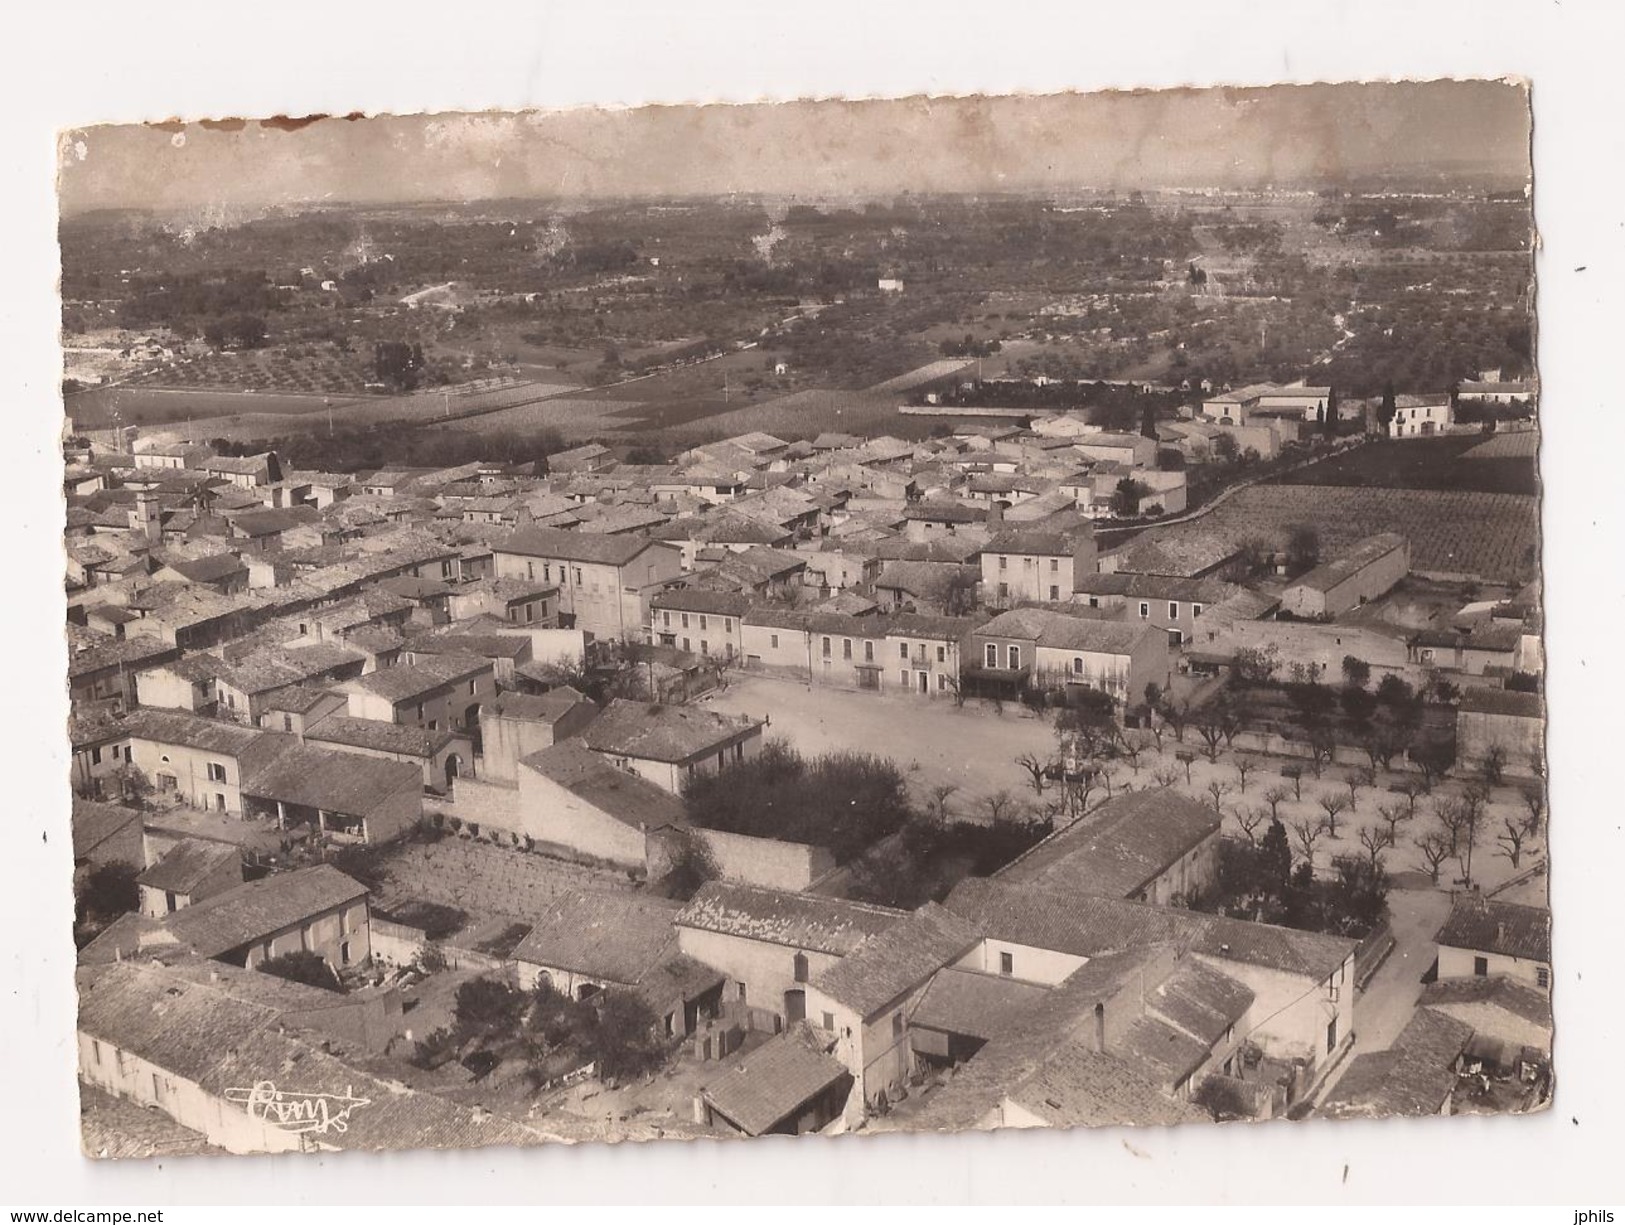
x=1036, y=646
x=1420, y=416
x=1365, y=571
x=1501, y=719
x=667, y=745
x=604, y=582
x=1026, y=565
x=1481, y=937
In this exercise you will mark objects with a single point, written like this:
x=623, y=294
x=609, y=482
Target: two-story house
x=604, y=582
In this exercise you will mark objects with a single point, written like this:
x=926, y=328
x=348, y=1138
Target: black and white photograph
x=825, y=618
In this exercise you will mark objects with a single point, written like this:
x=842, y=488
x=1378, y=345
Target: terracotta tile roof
x=1201, y=1001
x=1119, y=848
x=1065, y=921
x=620, y=794
x=1068, y=633
x=407, y=681
x=774, y=1080
x=376, y=734
x=610, y=550
x=250, y=746
x=1414, y=1077
x=898, y=959
x=795, y=920
x=1488, y=926
x=187, y=864
x=250, y=912
x=1078, y=1087
x=94, y=823
x=1161, y=1049
x=352, y=784
x=1493, y=990
x=619, y=937
x=653, y=732
x=975, y=1004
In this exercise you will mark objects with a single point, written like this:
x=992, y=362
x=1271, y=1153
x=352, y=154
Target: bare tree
x=1251, y=818
x=1375, y=840
x=1275, y=797
x=1131, y=749
x=1307, y=831
x=1475, y=798
x=1332, y=803
x=1218, y=791
x=1186, y=759
x=937, y=804
x=1244, y=767
x=1035, y=768
x=1358, y=780
x=1413, y=789
x=1108, y=777
x=1294, y=775
x=1534, y=801
x=1452, y=818
x=1079, y=788
x=1165, y=776
x=1322, y=748
x=1156, y=725
x=1212, y=733
x=1394, y=815
x=1178, y=717
x=998, y=805
x=1435, y=848
x=1494, y=765
x=1511, y=839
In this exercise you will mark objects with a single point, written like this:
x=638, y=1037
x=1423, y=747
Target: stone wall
x=483, y=878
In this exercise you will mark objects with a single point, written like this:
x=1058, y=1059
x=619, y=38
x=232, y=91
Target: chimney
x=995, y=513
x=214, y=976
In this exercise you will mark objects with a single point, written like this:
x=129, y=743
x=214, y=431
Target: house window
x=1196, y=610
x=868, y=652
x=665, y=619
x=1054, y=565
x=1004, y=563
x=217, y=772
x=775, y=640
x=420, y=711
x=846, y=648
x=1007, y=963
x=1145, y=610
x=686, y=645
x=801, y=967
x=471, y=688
x=897, y=1025
x=685, y=620
x=1054, y=592
x=902, y=675
x=1173, y=610
x=728, y=625
x=1331, y=1035
x=1077, y=665
x=705, y=646
x=992, y=655
x=1094, y=601
x=742, y=995
x=942, y=681
x=96, y=1049
x=287, y=723
x=547, y=572
x=942, y=654
x=1481, y=966
x=1543, y=977
x=829, y=1020
x=344, y=952
x=95, y=757
x=826, y=647
x=1015, y=657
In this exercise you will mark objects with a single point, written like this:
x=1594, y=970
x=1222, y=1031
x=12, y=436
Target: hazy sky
x=1224, y=137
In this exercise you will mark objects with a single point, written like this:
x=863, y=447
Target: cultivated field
x=1491, y=536
x=1452, y=462
x=1524, y=444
